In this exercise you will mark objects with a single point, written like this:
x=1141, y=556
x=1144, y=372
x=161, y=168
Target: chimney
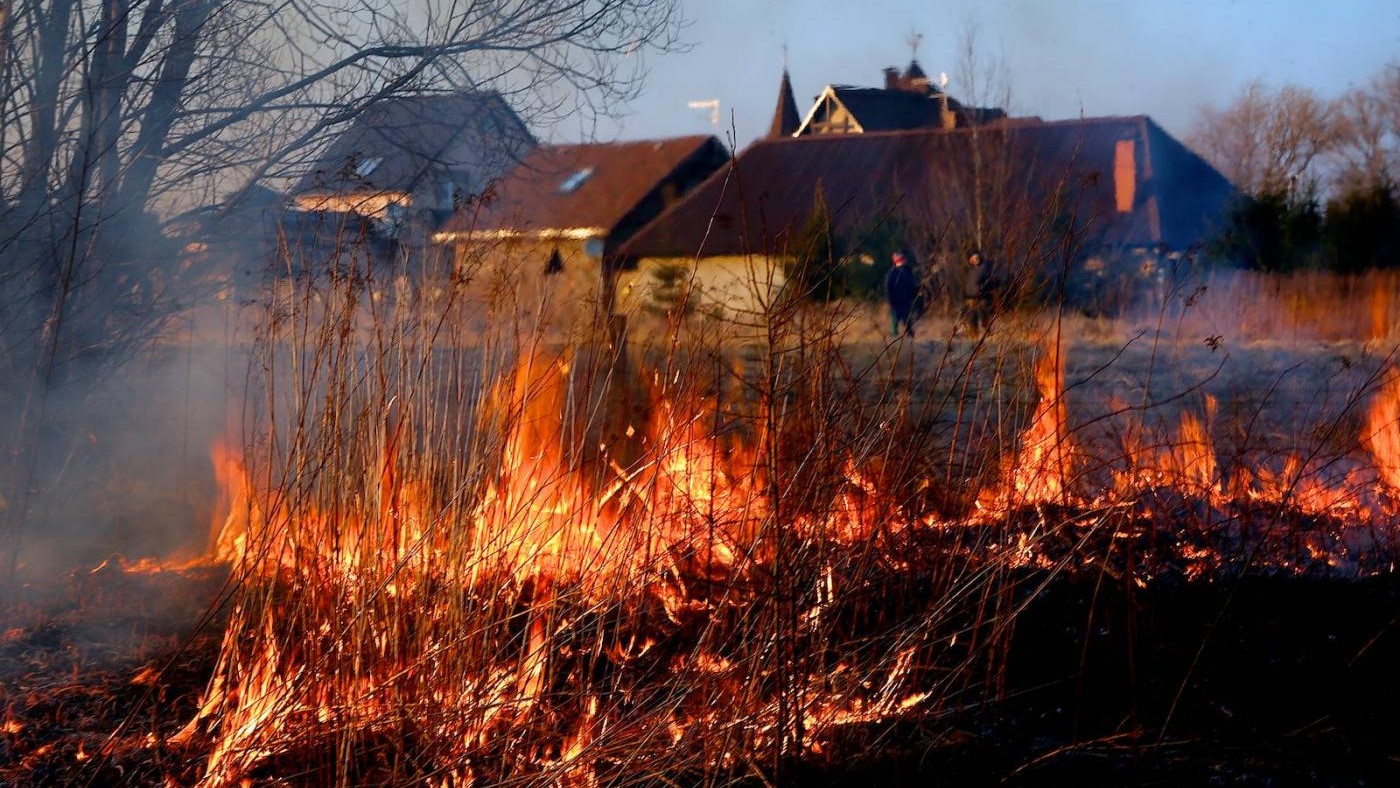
x=915, y=80
x=1124, y=175
x=947, y=118
x=891, y=78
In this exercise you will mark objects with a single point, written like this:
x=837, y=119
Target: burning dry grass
x=530, y=564
x=571, y=609
x=462, y=560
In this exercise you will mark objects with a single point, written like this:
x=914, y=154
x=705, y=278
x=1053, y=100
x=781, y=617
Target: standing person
x=974, y=286
x=901, y=290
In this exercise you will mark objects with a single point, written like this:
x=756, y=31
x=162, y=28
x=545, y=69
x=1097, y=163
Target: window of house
x=555, y=264
x=576, y=180
x=450, y=195
x=366, y=166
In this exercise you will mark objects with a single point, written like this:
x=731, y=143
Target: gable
x=409, y=144
x=829, y=115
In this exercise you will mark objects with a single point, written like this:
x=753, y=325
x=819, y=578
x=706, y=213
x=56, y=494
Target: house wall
x=733, y=287
x=510, y=288
x=1123, y=282
x=429, y=195
x=373, y=204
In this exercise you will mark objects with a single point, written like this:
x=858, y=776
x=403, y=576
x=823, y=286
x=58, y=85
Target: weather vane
x=913, y=40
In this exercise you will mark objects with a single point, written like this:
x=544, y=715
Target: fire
x=1041, y=468
x=1046, y=455
x=1192, y=457
x=146, y=677
x=231, y=508
x=1185, y=461
x=516, y=621
x=1382, y=433
x=668, y=517
x=556, y=527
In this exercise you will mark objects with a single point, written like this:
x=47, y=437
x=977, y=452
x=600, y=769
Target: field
x=1071, y=550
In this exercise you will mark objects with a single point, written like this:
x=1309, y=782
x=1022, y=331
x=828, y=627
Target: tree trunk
x=43, y=108
x=166, y=98
x=93, y=169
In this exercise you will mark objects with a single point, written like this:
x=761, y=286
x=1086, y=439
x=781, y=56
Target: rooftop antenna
x=710, y=104
x=913, y=40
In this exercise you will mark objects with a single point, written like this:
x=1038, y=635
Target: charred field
x=1046, y=556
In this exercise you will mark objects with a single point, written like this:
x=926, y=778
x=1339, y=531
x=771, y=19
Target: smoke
x=121, y=462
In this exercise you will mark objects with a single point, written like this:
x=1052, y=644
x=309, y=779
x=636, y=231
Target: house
x=377, y=189
x=238, y=249
x=415, y=155
x=907, y=101
x=1094, y=194
x=548, y=232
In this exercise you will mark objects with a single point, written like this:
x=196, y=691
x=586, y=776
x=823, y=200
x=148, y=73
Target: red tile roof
x=1037, y=169
x=608, y=180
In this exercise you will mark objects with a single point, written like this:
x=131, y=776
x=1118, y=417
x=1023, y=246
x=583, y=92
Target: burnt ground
x=97, y=668
x=1256, y=681
x=1260, y=680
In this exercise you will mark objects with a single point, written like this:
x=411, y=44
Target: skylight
x=366, y=166
x=576, y=180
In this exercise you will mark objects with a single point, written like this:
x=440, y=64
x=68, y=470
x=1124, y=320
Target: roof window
x=366, y=166
x=571, y=183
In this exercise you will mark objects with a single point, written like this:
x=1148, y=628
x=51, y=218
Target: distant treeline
x=1356, y=231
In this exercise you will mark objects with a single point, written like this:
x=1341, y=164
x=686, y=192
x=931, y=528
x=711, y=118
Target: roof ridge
x=645, y=141
x=1005, y=124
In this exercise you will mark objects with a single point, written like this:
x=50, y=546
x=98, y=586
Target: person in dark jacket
x=901, y=290
x=975, y=287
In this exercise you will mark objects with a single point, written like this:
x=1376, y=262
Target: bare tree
x=114, y=111
x=982, y=79
x=1267, y=142
x=1368, y=135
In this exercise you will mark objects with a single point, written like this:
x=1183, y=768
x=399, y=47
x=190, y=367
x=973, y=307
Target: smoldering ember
x=355, y=434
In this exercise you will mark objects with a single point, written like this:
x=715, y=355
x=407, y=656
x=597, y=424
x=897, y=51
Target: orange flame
x=573, y=518
x=1045, y=457
x=1382, y=433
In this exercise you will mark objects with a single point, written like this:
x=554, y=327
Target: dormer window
x=366, y=166
x=571, y=183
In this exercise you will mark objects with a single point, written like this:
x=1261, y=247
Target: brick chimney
x=947, y=118
x=915, y=80
x=891, y=78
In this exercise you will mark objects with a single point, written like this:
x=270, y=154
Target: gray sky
x=1062, y=58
